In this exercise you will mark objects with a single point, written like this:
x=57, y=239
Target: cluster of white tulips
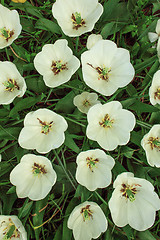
x=105, y=68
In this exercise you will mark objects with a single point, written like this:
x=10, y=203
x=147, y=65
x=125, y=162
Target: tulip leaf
x=70, y=143
x=110, y=28
x=10, y=133
x=146, y=235
x=65, y=104
x=24, y=104
x=58, y=234
x=48, y=25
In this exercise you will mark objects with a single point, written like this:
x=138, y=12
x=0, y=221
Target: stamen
x=157, y=94
x=11, y=85
x=77, y=20
x=86, y=213
x=6, y=34
x=58, y=67
x=106, y=122
x=38, y=169
x=46, y=127
x=91, y=162
x=86, y=103
x=154, y=143
x=129, y=191
x=10, y=231
x=103, y=72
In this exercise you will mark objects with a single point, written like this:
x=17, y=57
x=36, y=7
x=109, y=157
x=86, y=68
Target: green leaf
x=10, y=133
x=147, y=63
x=69, y=142
x=145, y=235
x=24, y=104
x=66, y=103
x=110, y=28
x=58, y=234
x=109, y=9
x=48, y=25
x=36, y=84
x=142, y=107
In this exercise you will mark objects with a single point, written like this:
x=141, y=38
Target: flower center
x=46, y=127
x=154, y=143
x=77, y=20
x=91, y=162
x=157, y=94
x=38, y=169
x=86, y=103
x=103, y=72
x=106, y=122
x=58, y=67
x=11, y=85
x=129, y=192
x=86, y=213
x=10, y=231
x=6, y=34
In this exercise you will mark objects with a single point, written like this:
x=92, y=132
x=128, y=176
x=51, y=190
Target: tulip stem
x=77, y=43
x=143, y=124
x=59, y=160
x=99, y=196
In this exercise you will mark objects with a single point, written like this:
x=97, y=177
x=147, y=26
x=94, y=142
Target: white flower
x=56, y=63
x=76, y=17
x=110, y=125
x=106, y=68
x=87, y=221
x=133, y=202
x=93, y=39
x=94, y=169
x=154, y=36
x=154, y=90
x=33, y=177
x=43, y=130
x=10, y=27
x=85, y=101
x=151, y=145
x=11, y=228
x=12, y=84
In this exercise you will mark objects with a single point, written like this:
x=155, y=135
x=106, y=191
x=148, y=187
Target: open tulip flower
x=56, y=63
x=154, y=90
x=12, y=84
x=151, y=145
x=43, y=130
x=76, y=17
x=11, y=228
x=133, y=202
x=10, y=27
x=106, y=68
x=94, y=169
x=33, y=177
x=85, y=101
x=110, y=125
x=87, y=221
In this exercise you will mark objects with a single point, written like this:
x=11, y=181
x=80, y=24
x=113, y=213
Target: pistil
x=86, y=213
x=77, y=20
x=91, y=162
x=46, y=127
x=106, y=122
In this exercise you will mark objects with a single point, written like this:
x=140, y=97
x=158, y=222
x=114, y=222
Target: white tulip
x=76, y=17
x=94, y=169
x=33, y=177
x=11, y=228
x=93, y=39
x=56, y=63
x=85, y=101
x=110, y=125
x=12, y=84
x=151, y=145
x=106, y=68
x=133, y=202
x=154, y=90
x=87, y=221
x=10, y=27
x=43, y=130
